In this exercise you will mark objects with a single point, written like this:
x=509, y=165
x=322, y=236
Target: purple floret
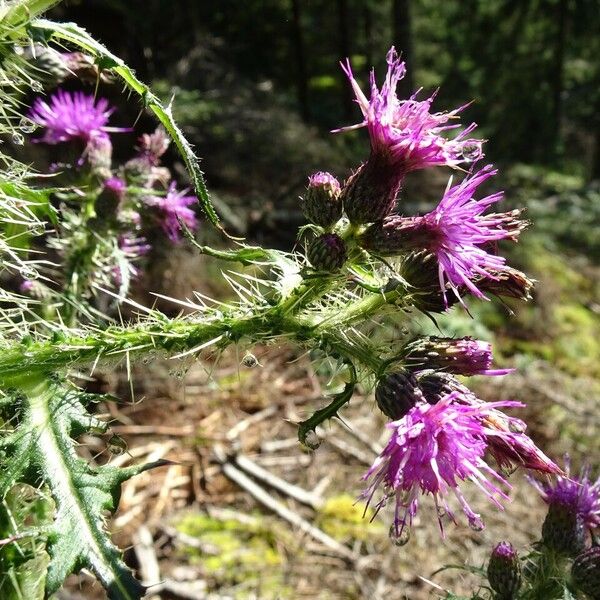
x=174, y=206
x=406, y=131
x=72, y=115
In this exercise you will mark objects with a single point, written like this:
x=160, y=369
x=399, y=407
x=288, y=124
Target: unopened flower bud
x=563, y=529
x=421, y=273
x=99, y=155
x=111, y=196
x=436, y=384
x=370, y=193
x=462, y=356
x=585, y=572
x=504, y=571
x=327, y=252
x=321, y=204
x=396, y=393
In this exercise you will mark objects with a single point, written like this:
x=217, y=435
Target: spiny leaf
x=42, y=449
x=69, y=32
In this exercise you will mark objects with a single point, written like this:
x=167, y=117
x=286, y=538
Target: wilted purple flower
x=431, y=450
x=406, y=131
x=456, y=232
x=577, y=493
x=70, y=116
x=174, y=206
x=462, y=356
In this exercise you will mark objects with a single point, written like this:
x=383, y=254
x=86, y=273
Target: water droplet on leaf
x=36, y=86
x=17, y=139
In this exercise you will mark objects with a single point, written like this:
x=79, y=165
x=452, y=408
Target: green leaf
x=42, y=449
x=72, y=33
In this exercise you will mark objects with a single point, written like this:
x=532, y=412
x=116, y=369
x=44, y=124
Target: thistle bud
x=564, y=529
x=396, y=393
x=462, y=356
x=585, y=572
x=421, y=273
x=99, y=155
x=113, y=192
x=435, y=385
x=370, y=193
x=327, y=252
x=321, y=203
x=504, y=571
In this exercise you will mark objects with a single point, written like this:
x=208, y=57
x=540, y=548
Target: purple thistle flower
x=406, y=131
x=456, y=232
x=430, y=451
x=578, y=494
x=435, y=446
x=174, y=206
x=70, y=116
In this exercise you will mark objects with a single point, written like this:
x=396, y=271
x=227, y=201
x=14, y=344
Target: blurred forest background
x=257, y=87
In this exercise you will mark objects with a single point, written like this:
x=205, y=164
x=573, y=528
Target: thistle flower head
x=431, y=450
x=579, y=494
x=321, y=203
x=70, y=116
x=462, y=356
x=456, y=232
x=175, y=205
x=504, y=571
x=406, y=131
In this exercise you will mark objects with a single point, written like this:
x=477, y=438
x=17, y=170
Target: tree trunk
x=402, y=32
x=558, y=77
x=301, y=72
x=368, y=32
x=344, y=45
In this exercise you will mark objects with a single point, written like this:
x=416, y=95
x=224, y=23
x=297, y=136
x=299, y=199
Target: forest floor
x=244, y=511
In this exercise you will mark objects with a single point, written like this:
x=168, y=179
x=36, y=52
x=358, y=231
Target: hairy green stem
x=176, y=336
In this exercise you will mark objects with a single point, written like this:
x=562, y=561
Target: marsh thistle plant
x=83, y=239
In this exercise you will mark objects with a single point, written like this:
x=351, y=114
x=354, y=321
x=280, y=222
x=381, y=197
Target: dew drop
x=117, y=445
x=399, y=535
x=441, y=512
x=17, y=139
x=250, y=361
x=36, y=86
x=471, y=151
x=312, y=440
x=476, y=524
x=27, y=125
